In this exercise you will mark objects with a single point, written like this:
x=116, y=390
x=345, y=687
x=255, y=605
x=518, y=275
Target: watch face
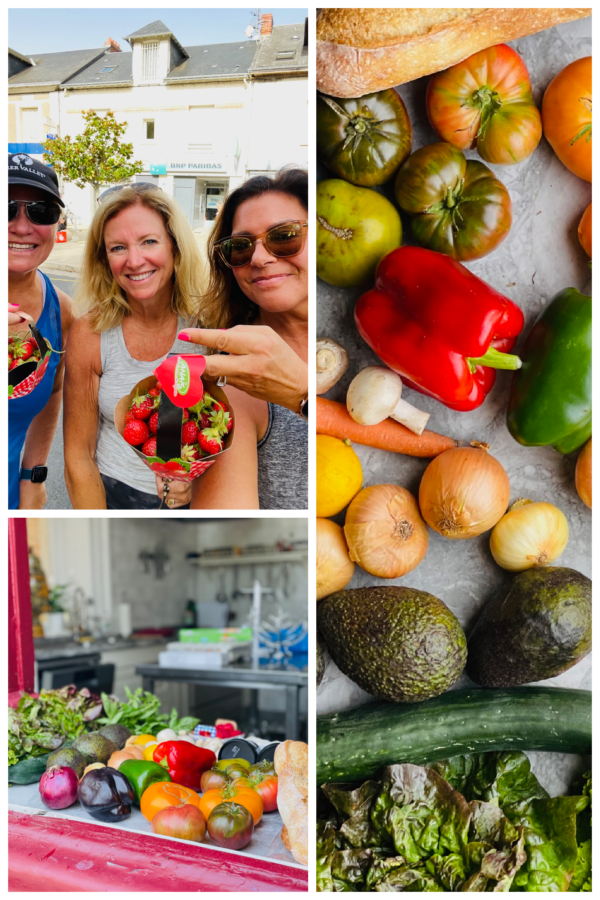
x=38, y=474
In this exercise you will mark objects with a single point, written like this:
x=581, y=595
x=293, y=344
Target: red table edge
x=49, y=853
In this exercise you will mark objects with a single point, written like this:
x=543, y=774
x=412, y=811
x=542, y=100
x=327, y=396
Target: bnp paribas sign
x=164, y=168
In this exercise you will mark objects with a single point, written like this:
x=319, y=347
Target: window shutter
x=150, y=61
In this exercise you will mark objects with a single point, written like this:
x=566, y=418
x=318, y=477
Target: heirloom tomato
x=245, y=796
x=364, y=140
x=230, y=825
x=485, y=101
x=567, y=117
x=185, y=822
x=457, y=206
x=584, y=232
x=356, y=227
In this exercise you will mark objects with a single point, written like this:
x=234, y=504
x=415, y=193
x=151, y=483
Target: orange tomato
x=584, y=231
x=245, y=796
x=162, y=794
x=567, y=117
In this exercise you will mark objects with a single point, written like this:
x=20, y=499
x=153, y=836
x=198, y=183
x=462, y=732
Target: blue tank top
x=23, y=410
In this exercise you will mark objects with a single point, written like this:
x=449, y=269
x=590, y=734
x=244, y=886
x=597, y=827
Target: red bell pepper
x=184, y=762
x=437, y=325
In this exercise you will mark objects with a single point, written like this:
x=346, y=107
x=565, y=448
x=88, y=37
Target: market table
x=67, y=850
x=240, y=675
x=540, y=257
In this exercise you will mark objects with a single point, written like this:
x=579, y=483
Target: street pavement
x=56, y=488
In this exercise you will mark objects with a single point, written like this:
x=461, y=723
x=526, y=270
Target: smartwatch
x=37, y=475
x=304, y=409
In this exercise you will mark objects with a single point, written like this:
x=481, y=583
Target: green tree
x=96, y=156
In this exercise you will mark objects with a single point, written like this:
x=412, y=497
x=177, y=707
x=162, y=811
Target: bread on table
x=360, y=51
x=291, y=767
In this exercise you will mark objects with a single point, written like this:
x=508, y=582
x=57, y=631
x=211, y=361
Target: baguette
x=291, y=766
x=360, y=51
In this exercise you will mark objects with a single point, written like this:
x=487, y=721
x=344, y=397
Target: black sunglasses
x=37, y=211
x=282, y=241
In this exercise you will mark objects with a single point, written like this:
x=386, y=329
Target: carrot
x=334, y=419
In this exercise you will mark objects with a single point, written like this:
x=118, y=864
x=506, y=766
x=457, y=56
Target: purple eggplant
x=106, y=794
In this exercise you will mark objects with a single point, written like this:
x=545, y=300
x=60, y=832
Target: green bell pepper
x=551, y=395
x=141, y=773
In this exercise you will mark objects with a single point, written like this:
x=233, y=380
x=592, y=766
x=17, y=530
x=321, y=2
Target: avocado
x=67, y=756
x=397, y=643
x=535, y=627
x=95, y=747
x=118, y=734
x=320, y=661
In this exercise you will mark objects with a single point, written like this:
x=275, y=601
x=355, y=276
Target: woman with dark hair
x=256, y=311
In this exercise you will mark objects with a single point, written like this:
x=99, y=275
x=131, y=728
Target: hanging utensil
x=221, y=595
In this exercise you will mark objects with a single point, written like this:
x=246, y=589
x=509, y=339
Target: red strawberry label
x=181, y=379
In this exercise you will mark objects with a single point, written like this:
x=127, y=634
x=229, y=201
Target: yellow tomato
x=149, y=749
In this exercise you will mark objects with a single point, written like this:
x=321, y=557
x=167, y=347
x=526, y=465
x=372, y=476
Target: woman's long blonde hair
x=101, y=296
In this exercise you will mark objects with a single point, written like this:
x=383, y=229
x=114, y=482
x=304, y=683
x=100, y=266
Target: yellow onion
x=464, y=492
x=385, y=532
x=529, y=535
x=583, y=474
x=334, y=566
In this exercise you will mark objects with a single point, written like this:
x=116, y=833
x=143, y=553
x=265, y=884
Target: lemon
x=149, y=749
x=339, y=475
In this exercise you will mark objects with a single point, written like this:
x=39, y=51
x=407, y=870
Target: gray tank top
x=120, y=374
x=283, y=461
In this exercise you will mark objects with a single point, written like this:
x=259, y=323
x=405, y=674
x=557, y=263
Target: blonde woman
x=141, y=284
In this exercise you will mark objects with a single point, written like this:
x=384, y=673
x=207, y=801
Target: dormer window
x=150, y=61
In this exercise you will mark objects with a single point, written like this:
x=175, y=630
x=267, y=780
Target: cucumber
x=354, y=745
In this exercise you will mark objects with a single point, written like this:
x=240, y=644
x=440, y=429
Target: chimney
x=114, y=47
x=266, y=24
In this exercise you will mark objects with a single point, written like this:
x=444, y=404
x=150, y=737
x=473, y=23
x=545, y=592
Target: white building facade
x=201, y=119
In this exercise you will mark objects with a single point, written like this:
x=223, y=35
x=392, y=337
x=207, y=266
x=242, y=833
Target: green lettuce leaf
x=550, y=828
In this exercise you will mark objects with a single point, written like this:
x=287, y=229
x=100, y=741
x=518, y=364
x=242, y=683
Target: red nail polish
x=183, y=337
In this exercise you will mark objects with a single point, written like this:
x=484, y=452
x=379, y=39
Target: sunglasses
x=281, y=241
x=37, y=211
x=138, y=186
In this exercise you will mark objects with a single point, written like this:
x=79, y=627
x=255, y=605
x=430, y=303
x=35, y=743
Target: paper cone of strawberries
x=175, y=426
x=28, y=358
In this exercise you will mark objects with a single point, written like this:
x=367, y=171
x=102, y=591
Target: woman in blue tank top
x=34, y=207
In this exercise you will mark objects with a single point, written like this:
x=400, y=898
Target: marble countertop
x=540, y=256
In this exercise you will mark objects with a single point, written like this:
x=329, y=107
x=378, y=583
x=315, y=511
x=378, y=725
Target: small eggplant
x=106, y=794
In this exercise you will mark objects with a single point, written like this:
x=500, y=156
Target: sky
x=33, y=31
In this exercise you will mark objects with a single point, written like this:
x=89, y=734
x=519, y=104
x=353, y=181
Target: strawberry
x=14, y=363
x=158, y=386
x=142, y=406
x=221, y=419
x=186, y=415
x=189, y=453
x=136, y=432
x=153, y=422
x=149, y=448
x=22, y=349
x=129, y=417
x=154, y=392
x=189, y=433
x=210, y=441
x=203, y=420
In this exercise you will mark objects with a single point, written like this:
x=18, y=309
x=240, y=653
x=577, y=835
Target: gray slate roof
x=55, y=68
x=156, y=29
x=213, y=60
x=274, y=52
x=91, y=75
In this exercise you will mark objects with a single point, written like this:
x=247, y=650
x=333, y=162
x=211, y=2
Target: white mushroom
x=332, y=362
x=375, y=395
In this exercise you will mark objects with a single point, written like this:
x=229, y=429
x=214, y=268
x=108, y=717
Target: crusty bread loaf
x=364, y=50
x=291, y=766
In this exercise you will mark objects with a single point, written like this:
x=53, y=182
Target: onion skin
x=334, y=566
x=464, y=492
x=58, y=787
x=583, y=474
x=529, y=536
x=385, y=532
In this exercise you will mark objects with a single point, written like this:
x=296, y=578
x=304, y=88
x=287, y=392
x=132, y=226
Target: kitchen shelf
x=248, y=560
